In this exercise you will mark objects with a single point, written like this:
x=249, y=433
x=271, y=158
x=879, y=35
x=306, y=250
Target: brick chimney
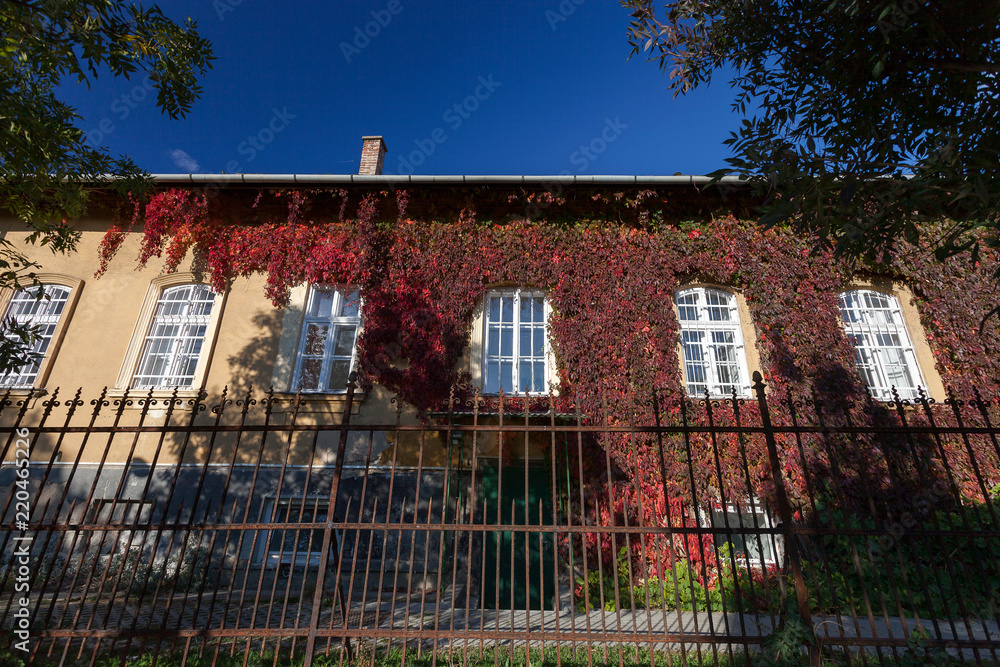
x=372, y=155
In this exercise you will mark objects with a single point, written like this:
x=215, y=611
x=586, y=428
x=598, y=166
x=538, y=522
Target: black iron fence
x=778, y=529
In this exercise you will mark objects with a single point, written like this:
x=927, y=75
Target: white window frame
x=143, y=326
x=710, y=323
x=184, y=347
x=717, y=517
x=45, y=305
x=871, y=320
x=335, y=321
x=490, y=355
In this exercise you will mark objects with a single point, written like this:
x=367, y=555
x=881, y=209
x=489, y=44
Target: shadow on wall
x=261, y=359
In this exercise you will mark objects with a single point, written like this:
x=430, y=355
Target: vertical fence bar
x=328, y=535
x=785, y=512
x=107, y=607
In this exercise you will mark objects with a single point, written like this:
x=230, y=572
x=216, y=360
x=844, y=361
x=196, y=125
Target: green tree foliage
x=867, y=121
x=45, y=161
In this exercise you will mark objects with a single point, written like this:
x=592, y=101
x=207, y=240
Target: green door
x=519, y=565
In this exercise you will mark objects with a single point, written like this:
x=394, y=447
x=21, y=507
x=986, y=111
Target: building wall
x=253, y=347
x=613, y=321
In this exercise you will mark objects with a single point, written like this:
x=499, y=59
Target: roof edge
x=452, y=180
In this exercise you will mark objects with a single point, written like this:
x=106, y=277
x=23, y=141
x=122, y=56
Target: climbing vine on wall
x=610, y=281
x=610, y=284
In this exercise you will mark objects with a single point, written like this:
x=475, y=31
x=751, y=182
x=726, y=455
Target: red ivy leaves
x=611, y=288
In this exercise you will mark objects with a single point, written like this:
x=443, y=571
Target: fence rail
x=736, y=531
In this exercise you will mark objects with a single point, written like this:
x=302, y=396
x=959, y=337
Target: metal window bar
x=170, y=354
x=35, y=306
x=884, y=355
x=711, y=343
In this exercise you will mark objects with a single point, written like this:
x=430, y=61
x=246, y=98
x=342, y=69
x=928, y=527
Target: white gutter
x=397, y=180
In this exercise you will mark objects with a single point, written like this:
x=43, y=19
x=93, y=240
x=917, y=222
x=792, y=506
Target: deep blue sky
x=562, y=83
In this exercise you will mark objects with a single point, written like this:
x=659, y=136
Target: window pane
x=538, y=348
x=897, y=374
x=507, y=343
x=723, y=338
x=330, y=329
x=339, y=371
x=688, y=298
x=298, y=540
x=718, y=306
x=344, y=342
x=506, y=375
x=874, y=301
x=322, y=303
x=691, y=345
x=539, y=377
x=189, y=353
x=755, y=548
x=492, y=378
x=525, y=314
x=154, y=364
x=525, y=348
x=507, y=309
x=350, y=305
x=524, y=377
x=315, y=342
x=309, y=377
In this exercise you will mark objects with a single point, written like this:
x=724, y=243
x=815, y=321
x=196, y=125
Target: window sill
x=721, y=397
x=24, y=391
x=17, y=396
x=317, y=403
x=508, y=396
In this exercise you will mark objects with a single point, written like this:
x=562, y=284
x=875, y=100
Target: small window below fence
x=120, y=511
x=296, y=547
x=748, y=548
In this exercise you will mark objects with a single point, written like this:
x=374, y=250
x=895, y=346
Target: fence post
x=785, y=514
x=338, y=471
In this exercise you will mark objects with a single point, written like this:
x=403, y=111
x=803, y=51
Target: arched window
x=712, y=343
x=884, y=354
x=40, y=306
x=173, y=346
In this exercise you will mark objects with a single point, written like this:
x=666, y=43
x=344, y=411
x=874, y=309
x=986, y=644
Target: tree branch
x=959, y=66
